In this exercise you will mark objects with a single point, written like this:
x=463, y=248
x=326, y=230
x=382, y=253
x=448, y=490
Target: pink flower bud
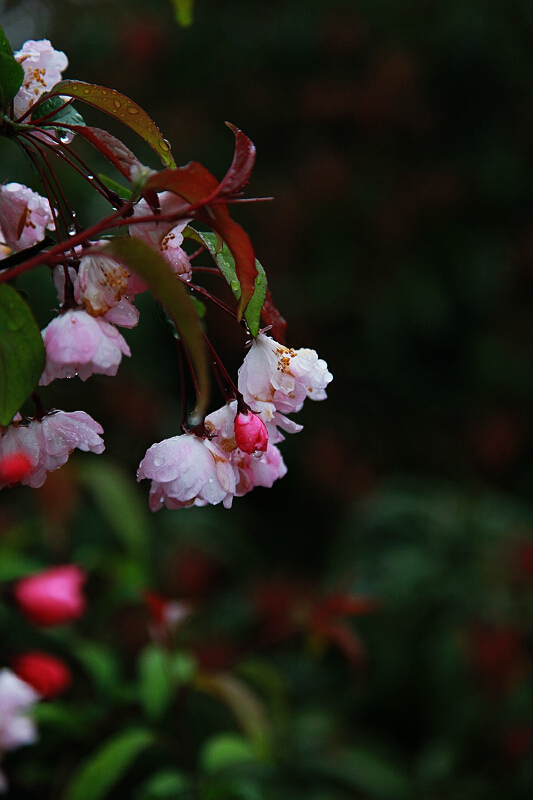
x=52, y=597
x=47, y=674
x=250, y=433
x=15, y=467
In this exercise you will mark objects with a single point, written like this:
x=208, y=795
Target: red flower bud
x=48, y=675
x=14, y=467
x=52, y=597
x=250, y=433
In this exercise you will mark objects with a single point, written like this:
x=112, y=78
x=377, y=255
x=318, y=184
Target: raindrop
x=133, y=110
x=167, y=143
x=211, y=480
x=258, y=280
x=71, y=229
x=86, y=91
x=116, y=103
x=158, y=461
x=90, y=177
x=235, y=286
x=65, y=137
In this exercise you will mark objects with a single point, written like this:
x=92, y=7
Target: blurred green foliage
x=396, y=139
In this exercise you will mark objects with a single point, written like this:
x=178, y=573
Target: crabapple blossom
x=25, y=216
x=42, y=67
x=47, y=674
x=16, y=699
x=46, y=443
x=101, y=283
x=165, y=236
x=275, y=380
x=187, y=470
x=250, y=433
x=78, y=344
x=52, y=597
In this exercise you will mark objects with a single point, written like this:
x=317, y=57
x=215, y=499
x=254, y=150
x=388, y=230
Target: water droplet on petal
x=211, y=480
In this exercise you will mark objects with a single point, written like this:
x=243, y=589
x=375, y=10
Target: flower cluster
x=222, y=455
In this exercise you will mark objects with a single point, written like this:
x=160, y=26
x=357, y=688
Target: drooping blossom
x=275, y=380
x=42, y=67
x=47, y=674
x=52, y=597
x=187, y=470
x=102, y=288
x=251, y=434
x=249, y=470
x=165, y=236
x=45, y=444
x=78, y=344
x=24, y=215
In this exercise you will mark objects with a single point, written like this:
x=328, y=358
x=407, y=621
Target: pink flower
x=47, y=674
x=275, y=380
x=46, y=444
x=187, y=470
x=250, y=433
x=42, y=67
x=16, y=699
x=52, y=597
x=164, y=236
x=101, y=283
x=78, y=344
x=24, y=216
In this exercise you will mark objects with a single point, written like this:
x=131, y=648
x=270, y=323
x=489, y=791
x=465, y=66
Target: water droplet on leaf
x=235, y=286
x=116, y=103
x=133, y=110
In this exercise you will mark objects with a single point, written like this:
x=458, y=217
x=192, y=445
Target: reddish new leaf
x=240, y=170
x=200, y=188
x=271, y=316
x=118, y=105
x=110, y=147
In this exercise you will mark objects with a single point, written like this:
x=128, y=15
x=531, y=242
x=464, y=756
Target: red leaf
x=240, y=170
x=110, y=147
x=271, y=316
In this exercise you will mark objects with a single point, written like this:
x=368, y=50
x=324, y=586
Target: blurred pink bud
x=78, y=344
x=52, y=597
x=47, y=674
x=250, y=433
x=15, y=467
x=24, y=216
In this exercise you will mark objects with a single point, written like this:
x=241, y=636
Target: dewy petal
x=78, y=344
x=24, y=216
x=165, y=236
x=101, y=283
x=42, y=67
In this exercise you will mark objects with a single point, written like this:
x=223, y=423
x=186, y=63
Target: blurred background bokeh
x=396, y=137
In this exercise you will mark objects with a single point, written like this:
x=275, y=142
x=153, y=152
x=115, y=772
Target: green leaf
x=122, y=191
x=156, y=686
x=365, y=771
x=100, y=662
x=183, y=12
x=99, y=772
x=11, y=72
x=11, y=77
x=168, y=784
x=119, y=106
x=172, y=293
x=65, y=114
x=226, y=264
x=183, y=667
x=21, y=353
x=225, y=750
x=121, y=505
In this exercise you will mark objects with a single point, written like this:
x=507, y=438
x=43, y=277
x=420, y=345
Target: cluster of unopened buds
x=215, y=457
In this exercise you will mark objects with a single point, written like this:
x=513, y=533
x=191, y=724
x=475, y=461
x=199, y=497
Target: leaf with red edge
x=240, y=170
x=111, y=148
x=118, y=105
x=145, y=262
x=200, y=188
x=271, y=316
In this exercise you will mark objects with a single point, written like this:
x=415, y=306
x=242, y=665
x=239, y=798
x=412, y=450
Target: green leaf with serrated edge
x=116, y=187
x=156, y=688
x=226, y=264
x=183, y=12
x=11, y=77
x=21, y=353
x=97, y=775
x=65, y=114
x=118, y=105
x=172, y=294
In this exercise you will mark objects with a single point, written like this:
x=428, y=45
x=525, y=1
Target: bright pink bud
x=52, y=597
x=14, y=467
x=250, y=433
x=47, y=674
